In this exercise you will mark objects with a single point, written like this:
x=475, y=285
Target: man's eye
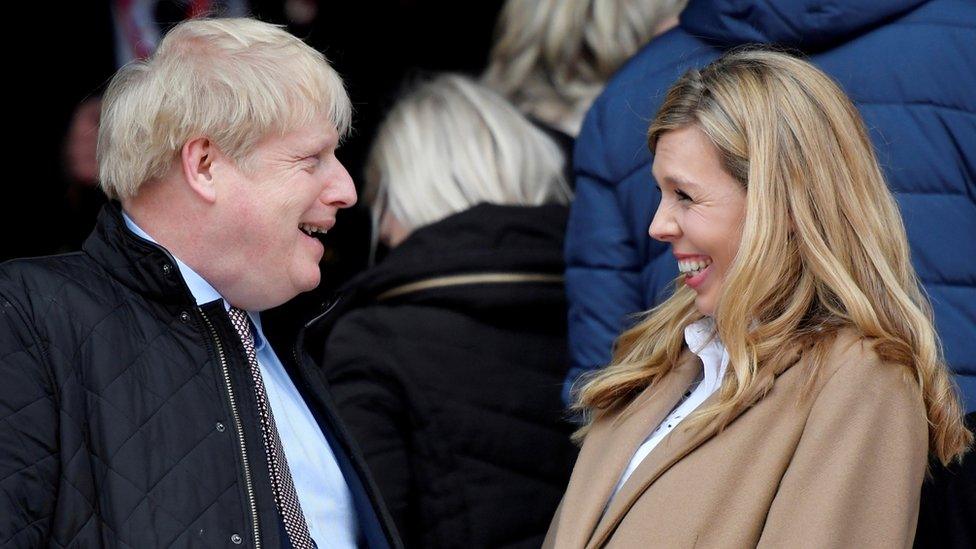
x=681, y=195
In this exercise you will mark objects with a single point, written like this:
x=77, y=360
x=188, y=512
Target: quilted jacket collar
x=140, y=265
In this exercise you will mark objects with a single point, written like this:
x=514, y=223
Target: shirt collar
x=703, y=340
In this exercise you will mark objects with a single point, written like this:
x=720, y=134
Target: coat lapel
x=679, y=443
x=609, y=447
x=674, y=447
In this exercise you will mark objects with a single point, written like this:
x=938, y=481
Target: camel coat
x=838, y=463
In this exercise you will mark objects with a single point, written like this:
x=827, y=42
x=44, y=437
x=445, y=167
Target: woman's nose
x=663, y=226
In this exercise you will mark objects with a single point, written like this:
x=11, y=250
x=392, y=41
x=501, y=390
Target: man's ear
x=196, y=161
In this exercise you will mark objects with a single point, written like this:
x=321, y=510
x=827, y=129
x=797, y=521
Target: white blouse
x=703, y=341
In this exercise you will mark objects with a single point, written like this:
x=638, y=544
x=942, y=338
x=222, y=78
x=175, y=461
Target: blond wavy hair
x=234, y=80
x=823, y=248
x=551, y=58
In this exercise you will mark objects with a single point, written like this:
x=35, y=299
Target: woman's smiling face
x=701, y=212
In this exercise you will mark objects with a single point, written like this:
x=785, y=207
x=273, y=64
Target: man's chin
x=309, y=280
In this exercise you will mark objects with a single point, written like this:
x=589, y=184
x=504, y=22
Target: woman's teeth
x=692, y=267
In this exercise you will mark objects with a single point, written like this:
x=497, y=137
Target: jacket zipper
x=248, y=484
x=469, y=279
x=296, y=349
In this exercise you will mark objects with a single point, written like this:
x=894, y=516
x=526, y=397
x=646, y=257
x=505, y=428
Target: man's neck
x=203, y=291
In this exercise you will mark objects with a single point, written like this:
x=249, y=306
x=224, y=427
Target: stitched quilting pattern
x=112, y=422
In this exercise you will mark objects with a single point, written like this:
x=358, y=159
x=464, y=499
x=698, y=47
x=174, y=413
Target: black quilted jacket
x=126, y=418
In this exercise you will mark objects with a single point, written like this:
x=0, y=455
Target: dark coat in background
x=910, y=68
x=947, y=517
x=446, y=366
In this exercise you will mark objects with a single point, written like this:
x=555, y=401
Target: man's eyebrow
x=320, y=146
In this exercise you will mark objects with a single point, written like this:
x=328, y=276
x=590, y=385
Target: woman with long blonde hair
x=551, y=58
x=792, y=389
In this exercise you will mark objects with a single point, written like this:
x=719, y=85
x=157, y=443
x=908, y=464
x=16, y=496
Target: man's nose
x=339, y=191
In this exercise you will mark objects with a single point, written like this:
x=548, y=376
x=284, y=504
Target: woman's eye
x=681, y=195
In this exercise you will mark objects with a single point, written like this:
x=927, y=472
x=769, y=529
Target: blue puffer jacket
x=909, y=65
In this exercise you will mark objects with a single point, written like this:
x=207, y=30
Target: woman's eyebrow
x=681, y=181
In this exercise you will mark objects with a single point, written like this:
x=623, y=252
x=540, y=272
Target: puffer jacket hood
x=809, y=25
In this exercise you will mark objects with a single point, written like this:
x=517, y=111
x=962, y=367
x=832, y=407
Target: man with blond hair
x=142, y=403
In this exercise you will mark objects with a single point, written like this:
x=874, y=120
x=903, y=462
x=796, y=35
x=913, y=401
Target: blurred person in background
x=790, y=389
x=551, y=58
x=446, y=357
x=908, y=65
x=145, y=402
x=947, y=513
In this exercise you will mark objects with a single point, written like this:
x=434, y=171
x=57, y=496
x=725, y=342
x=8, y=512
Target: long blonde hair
x=551, y=58
x=823, y=247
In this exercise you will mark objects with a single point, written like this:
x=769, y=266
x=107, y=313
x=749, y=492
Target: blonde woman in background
x=551, y=58
x=446, y=357
x=791, y=390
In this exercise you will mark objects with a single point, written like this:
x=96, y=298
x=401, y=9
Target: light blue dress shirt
x=322, y=490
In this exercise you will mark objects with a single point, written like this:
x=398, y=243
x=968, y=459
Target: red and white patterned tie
x=284, y=487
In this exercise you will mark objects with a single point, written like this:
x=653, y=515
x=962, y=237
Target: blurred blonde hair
x=235, y=81
x=823, y=247
x=452, y=143
x=551, y=58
